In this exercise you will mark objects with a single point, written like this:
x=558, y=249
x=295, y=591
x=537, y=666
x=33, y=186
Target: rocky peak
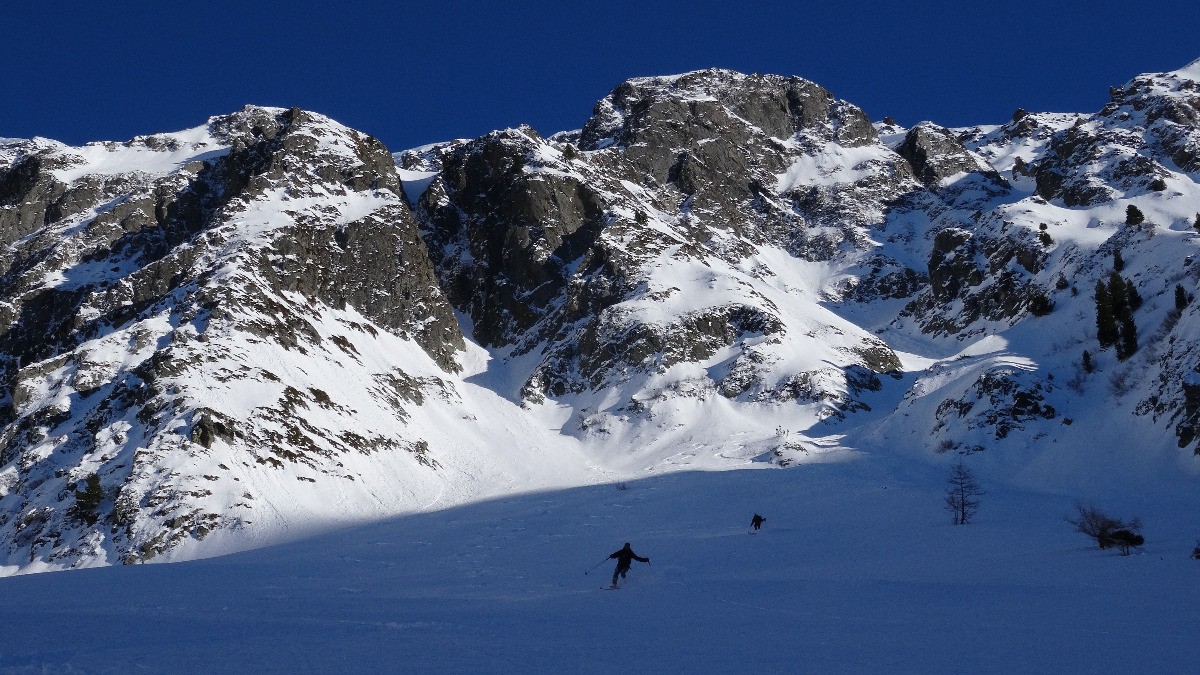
x=730, y=143
x=554, y=245
x=686, y=110
x=935, y=154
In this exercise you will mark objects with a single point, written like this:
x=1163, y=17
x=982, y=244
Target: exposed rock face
x=992, y=278
x=502, y=236
x=998, y=402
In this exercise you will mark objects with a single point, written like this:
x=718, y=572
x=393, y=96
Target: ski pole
x=597, y=565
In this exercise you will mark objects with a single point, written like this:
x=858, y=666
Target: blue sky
x=414, y=73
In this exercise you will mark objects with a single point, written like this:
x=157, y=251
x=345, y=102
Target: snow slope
x=857, y=569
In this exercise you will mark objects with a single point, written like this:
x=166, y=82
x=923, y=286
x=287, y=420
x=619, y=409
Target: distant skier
x=757, y=521
x=625, y=558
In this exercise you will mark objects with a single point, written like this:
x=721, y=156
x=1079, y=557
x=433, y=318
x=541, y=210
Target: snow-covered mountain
x=268, y=325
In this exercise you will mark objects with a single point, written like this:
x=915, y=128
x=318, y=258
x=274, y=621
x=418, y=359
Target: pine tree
x=1088, y=366
x=1134, y=215
x=1132, y=297
x=1181, y=298
x=1118, y=294
x=1129, y=342
x=1039, y=304
x=1106, y=322
x=88, y=500
x=1118, y=260
x=1123, y=299
x=1196, y=225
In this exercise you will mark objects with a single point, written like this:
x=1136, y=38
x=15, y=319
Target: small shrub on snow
x=1124, y=540
x=1106, y=530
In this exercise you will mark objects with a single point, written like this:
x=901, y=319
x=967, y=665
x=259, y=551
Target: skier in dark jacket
x=625, y=558
x=757, y=521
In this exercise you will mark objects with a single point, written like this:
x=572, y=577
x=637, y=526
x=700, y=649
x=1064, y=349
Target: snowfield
x=857, y=569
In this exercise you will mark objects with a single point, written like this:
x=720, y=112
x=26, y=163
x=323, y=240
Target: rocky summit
x=270, y=324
